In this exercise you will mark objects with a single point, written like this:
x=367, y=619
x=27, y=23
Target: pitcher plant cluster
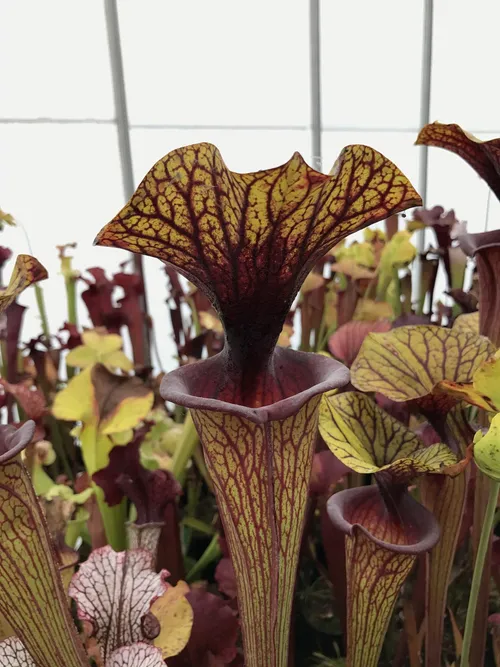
x=315, y=484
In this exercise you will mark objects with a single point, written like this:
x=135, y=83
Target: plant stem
x=211, y=553
x=71, y=299
x=179, y=413
x=185, y=449
x=323, y=339
x=320, y=335
x=43, y=313
x=3, y=353
x=372, y=288
x=198, y=525
x=59, y=447
x=194, y=313
x=421, y=304
x=397, y=292
x=70, y=284
x=199, y=460
x=114, y=520
x=478, y=569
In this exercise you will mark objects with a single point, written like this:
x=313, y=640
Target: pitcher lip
x=179, y=386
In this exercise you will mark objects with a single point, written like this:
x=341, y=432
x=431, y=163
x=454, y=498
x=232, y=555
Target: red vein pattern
x=483, y=156
x=31, y=592
x=261, y=474
x=250, y=239
x=374, y=579
x=367, y=439
x=113, y=591
x=381, y=550
x=407, y=363
x=445, y=498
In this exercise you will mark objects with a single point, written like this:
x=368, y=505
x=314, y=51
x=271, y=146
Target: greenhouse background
x=92, y=93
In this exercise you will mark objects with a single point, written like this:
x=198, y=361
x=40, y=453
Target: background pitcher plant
x=314, y=484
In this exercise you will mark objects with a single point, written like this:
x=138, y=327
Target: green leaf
x=368, y=440
x=408, y=362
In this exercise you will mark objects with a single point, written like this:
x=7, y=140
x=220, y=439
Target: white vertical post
x=425, y=108
x=425, y=95
x=121, y=111
x=123, y=129
x=315, y=90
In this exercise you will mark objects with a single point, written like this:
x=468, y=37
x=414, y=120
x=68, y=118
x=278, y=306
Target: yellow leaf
x=95, y=448
x=76, y=526
x=121, y=402
x=415, y=225
x=487, y=450
x=123, y=437
x=285, y=335
x=210, y=322
x=119, y=360
x=408, y=362
x=160, y=444
x=74, y=403
x=175, y=615
x=465, y=391
x=107, y=405
x=467, y=322
x=369, y=310
x=372, y=235
x=99, y=348
x=437, y=458
x=81, y=357
x=312, y=282
x=350, y=267
x=102, y=343
x=368, y=440
x=484, y=390
x=361, y=254
x=127, y=414
x=398, y=253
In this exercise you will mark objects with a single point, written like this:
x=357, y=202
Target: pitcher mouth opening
x=363, y=509
x=290, y=380
x=13, y=440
